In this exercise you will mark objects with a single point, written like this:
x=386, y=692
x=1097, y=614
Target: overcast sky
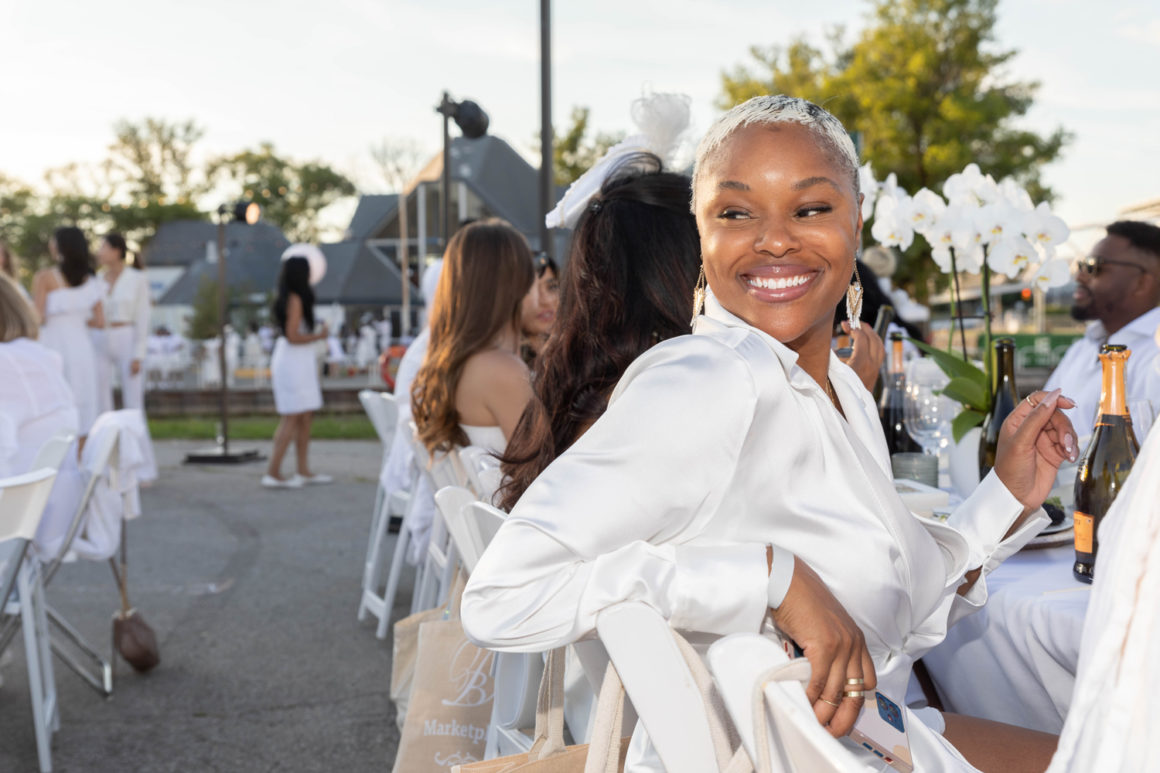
x=323, y=80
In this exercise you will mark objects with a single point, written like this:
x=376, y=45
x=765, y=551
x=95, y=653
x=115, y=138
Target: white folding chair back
x=54, y=450
x=657, y=679
x=22, y=501
x=441, y=558
x=477, y=461
x=383, y=411
x=452, y=500
x=786, y=736
x=484, y=520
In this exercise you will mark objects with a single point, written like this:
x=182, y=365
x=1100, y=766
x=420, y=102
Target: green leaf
x=952, y=364
x=968, y=392
x=964, y=423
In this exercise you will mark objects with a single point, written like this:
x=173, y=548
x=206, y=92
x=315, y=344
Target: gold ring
x=1028, y=399
x=835, y=705
x=854, y=694
x=856, y=681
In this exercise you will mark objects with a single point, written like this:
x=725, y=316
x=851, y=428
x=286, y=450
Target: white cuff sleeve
x=780, y=576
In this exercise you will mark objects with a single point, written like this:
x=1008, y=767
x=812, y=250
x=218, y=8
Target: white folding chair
x=53, y=452
x=437, y=569
x=764, y=694
x=382, y=410
x=22, y=501
x=452, y=502
x=101, y=458
x=663, y=689
x=482, y=469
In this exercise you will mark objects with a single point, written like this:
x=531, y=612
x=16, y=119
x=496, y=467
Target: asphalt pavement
x=253, y=595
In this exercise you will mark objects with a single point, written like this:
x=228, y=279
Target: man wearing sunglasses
x=1117, y=293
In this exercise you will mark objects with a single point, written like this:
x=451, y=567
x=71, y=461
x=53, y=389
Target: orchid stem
x=956, y=310
x=986, y=298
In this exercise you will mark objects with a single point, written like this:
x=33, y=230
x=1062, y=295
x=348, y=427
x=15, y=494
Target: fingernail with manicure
x=1069, y=444
x=1053, y=397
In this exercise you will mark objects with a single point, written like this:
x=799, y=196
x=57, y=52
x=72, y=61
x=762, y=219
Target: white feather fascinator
x=662, y=120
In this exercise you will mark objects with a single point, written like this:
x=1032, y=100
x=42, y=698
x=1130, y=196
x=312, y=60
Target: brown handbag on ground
x=132, y=636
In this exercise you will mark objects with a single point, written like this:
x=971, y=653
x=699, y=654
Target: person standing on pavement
x=294, y=374
x=1117, y=293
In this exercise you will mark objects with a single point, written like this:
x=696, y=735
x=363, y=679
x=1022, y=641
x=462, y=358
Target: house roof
x=371, y=215
x=253, y=257
x=357, y=275
x=183, y=242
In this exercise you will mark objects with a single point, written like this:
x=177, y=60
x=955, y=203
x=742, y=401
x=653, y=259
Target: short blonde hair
x=772, y=110
x=17, y=319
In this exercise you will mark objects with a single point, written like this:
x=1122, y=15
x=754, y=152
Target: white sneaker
x=269, y=481
x=313, y=480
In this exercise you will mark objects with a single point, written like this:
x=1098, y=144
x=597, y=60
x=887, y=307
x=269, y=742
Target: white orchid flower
x=942, y=258
x=889, y=186
x=1045, y=229
x=1015, y=195
x=1011, y=254
x=970, y=259
x=966, y=234
x=890, y=229
x=869, y=187
x=987, y=190
x=995, y=221
x=1053, y=272
x=963, y=187
x=926, y=207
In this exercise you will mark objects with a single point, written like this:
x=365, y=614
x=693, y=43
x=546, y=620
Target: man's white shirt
x=1079, y=373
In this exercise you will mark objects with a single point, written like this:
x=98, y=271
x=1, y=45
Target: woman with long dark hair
x=473, y=385
x=539, y=309
x=627, y=286
x=294, y=374
x=68, y=299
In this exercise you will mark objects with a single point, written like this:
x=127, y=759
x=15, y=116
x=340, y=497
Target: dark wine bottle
x=1003, y=402
x=1106, y=462
x=892, y=408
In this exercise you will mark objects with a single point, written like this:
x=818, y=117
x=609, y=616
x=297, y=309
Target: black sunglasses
x=1092, y=265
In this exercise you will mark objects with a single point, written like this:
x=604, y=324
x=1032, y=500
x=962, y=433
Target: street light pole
x=447, y=108
x=547, y=181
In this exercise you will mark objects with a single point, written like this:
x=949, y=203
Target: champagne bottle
x=892, y=408
x=1003, y=402
x=1106, y=462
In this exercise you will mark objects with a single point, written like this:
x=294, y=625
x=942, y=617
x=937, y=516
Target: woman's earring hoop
x=698, y=296
x=854, y=300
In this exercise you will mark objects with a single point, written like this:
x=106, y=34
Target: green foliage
x=968, y=385
x=149, y=178
x=203, y=323
x=574, y=152
x=291, y=194
x=924, y=85
x=339, y=426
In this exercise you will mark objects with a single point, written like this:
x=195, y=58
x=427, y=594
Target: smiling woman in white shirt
x=741, y=472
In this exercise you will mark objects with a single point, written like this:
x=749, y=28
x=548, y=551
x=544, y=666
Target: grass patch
x=341, y=426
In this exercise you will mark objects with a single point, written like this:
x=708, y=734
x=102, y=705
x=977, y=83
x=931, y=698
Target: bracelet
x=780, y=576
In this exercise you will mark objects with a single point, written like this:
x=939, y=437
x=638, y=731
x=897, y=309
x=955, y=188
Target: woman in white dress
x=36, y=405
x=294, y=374
x=68, y=300
x=741, y=472
x=473, y=386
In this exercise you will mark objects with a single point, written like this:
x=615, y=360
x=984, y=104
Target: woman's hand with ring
x=834, y=646
x=1034, y=441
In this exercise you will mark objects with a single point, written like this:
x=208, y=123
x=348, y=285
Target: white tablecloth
x=1015, y=660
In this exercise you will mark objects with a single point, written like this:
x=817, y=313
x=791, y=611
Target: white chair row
x=22, y=502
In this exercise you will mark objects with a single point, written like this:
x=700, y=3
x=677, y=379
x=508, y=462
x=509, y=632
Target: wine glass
x=927, y=413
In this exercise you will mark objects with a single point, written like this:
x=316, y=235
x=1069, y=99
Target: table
x=1015, y=660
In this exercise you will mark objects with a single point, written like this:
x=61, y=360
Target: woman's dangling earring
x=854, y=300
x=698, y=296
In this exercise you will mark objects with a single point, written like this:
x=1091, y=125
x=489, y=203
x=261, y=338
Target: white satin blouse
x=713, y=446
x=127, y=303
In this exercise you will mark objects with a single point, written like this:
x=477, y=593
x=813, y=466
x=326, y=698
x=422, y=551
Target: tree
x=924, y=86
x=291, y=194
x=574, y=152
x=397, y=159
